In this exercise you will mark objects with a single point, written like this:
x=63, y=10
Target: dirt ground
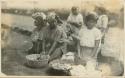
x=13, y=58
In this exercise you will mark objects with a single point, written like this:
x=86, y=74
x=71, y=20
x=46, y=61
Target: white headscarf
x=51, y=15
x=39, y=14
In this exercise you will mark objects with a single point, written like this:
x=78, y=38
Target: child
x=75, y=19
x=75, y=22
x=89, y=39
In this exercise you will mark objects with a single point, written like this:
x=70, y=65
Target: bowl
x=33, y=61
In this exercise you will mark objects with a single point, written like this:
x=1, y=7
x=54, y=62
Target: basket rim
x=38, y=60
x=28, y=58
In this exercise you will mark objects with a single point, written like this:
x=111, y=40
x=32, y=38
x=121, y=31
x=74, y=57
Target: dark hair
x=90, y=17
x=58, y=19
x=74, y=8
x=101, y=9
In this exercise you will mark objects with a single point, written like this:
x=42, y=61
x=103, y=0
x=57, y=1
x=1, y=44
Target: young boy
x=75, y=22
x=89, y=39
x=75, y=19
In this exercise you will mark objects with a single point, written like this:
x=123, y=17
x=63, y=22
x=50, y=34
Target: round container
x=59, y=65
x=33, y=61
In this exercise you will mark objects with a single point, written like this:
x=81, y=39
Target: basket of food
x=37, y=60
x=60, y=65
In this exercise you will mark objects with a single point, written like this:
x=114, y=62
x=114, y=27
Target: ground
x=14, y=57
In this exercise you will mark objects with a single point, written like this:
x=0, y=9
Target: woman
x=40, y=23
x=113, y=49
x=103, y=19
x=53, y=38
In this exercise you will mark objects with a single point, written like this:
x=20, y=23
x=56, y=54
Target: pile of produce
x=37, y=60
x=60, y=65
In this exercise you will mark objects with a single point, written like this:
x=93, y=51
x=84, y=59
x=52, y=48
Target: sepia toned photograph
x=62, y=38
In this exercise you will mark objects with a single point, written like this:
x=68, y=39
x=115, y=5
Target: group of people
x=80, y=35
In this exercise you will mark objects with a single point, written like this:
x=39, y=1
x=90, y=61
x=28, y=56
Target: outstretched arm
x=43, y=46
x=76, y=24
x=52, y=47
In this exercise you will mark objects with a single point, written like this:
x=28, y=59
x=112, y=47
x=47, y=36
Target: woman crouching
x=36, y=37
x=53, y=36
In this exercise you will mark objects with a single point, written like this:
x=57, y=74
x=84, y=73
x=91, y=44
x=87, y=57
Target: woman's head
x=90, y=21
x=51, y=19
x=114, y=20
x=40, y=18
x=100, y=10
x=75, y=10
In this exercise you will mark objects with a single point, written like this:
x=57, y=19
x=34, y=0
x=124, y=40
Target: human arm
x=104, y=25
x=98, y=37
x=78, y=49
x=75, y=36
x=95, y=50
x=43, y=46
x=52, y=47
x=78, y=22
x=57, y=37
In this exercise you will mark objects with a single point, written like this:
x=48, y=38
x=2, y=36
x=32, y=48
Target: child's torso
x=87, y=37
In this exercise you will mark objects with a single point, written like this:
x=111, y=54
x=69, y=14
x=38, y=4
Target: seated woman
x=53, y=38
x=40, y=23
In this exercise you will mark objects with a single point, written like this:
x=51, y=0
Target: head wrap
x=39, y=14
x=51, y=15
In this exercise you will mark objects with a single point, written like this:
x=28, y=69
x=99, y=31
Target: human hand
x=61, y=41
x=70, y=38
x=73, y=23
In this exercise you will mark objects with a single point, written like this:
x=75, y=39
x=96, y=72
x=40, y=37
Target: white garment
x=114, y=43
x=75, y=18
x=68, y=57
x=102, y=21
x=88, y=36
x=78, y=70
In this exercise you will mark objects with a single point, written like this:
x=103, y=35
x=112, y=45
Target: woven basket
x=32, y=60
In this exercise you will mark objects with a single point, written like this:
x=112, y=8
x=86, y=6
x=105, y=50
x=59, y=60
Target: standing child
x=89, y=39
x=75, y=22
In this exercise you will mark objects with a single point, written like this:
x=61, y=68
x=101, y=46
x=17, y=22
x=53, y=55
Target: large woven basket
x=32, y=60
